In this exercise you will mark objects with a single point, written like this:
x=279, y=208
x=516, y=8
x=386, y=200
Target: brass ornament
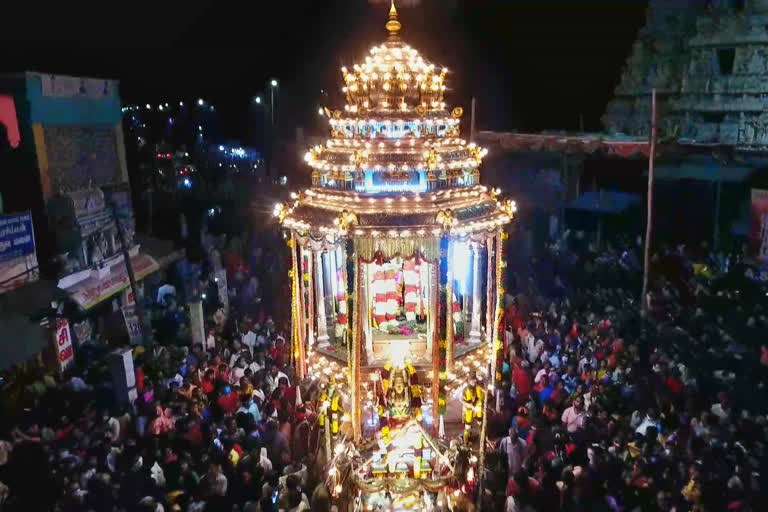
x=446, y=219
x=457, y=112
x=281, y=211
x=345, y=219
x=509, y=207
x=432, y=158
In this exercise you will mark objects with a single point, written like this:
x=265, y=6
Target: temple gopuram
x=707, y=60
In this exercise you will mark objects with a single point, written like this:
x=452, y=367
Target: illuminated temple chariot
x=397, y=272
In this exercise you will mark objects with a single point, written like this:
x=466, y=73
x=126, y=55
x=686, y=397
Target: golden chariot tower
x=397, y=262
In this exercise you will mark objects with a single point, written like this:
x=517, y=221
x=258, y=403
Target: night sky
x=532, y=65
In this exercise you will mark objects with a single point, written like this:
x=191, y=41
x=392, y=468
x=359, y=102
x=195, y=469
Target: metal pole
x=472, y=120
x=149, y=207
x=145, y=333
x=483, y=433
x=272, y=103
x=328, y=452
x=716, y=226
x=649, y=217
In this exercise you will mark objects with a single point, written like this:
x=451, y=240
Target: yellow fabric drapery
x=429, y=247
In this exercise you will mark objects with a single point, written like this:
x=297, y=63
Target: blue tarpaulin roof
x=604, y=201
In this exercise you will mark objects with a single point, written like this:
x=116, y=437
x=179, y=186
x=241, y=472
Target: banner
x=758, y=228
x=17, y=237
x=61, y=86
x=9, y=119
x=65, y=353
x=197, y=322
x=92, y=291
x=133, y=325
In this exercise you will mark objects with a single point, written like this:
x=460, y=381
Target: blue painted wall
x=78, y=110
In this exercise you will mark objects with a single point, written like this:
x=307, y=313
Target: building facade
x=69, y=170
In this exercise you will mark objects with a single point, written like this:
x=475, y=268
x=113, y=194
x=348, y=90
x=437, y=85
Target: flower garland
x=434, y=318
x=357, y=340
x=499, y=330
x=297, y=345
x=442, y=376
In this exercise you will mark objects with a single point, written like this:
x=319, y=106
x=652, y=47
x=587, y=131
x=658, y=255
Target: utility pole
x=269, y=123
x=145, y=333
x=472, y=120
x=649, y=216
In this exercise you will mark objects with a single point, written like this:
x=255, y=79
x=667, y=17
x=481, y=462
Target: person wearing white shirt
x=258, y=393
x=249, y=340
x=588, y=359
x=534, y=348
x=210, y=340
x=273, y=379
x=255, y=367
x=238, y=371
x=514, y=448
x=648, y=421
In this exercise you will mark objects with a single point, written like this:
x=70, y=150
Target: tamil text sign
x=17, y=238
x=64, y=350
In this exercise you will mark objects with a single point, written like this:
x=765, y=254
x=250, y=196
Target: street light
x=257, y=99
x=200, y=102
x=273, y=83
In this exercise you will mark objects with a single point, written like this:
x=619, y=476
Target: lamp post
x=272, y=86
x=269, y=123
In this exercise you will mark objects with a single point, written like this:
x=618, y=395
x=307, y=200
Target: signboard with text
x=17, y=237
x=65, y=354
x=132, y=325
x=92, y=291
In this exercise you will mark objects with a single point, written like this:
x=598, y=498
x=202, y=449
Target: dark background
x=532, y=65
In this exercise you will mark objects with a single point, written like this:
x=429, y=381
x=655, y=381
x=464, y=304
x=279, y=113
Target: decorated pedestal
x=396, y=252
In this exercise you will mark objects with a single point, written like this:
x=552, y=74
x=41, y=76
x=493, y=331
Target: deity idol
x=399, y=397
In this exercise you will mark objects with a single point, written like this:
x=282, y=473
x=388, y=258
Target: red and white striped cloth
x=384, y=292
x=412, y=289
x=341, y=303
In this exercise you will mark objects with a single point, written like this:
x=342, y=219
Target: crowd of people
x=221, y=425
x=606, y=410
x=219, y=429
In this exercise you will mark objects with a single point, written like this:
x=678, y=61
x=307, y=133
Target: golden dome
x=395, y=126
x=393, y=26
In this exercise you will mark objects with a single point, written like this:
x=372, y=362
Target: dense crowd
x=606, y=411
x=220, y=425
x=218, y=429
x=602, y=409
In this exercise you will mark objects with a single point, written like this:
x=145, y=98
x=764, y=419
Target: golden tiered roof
x=395, y=165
